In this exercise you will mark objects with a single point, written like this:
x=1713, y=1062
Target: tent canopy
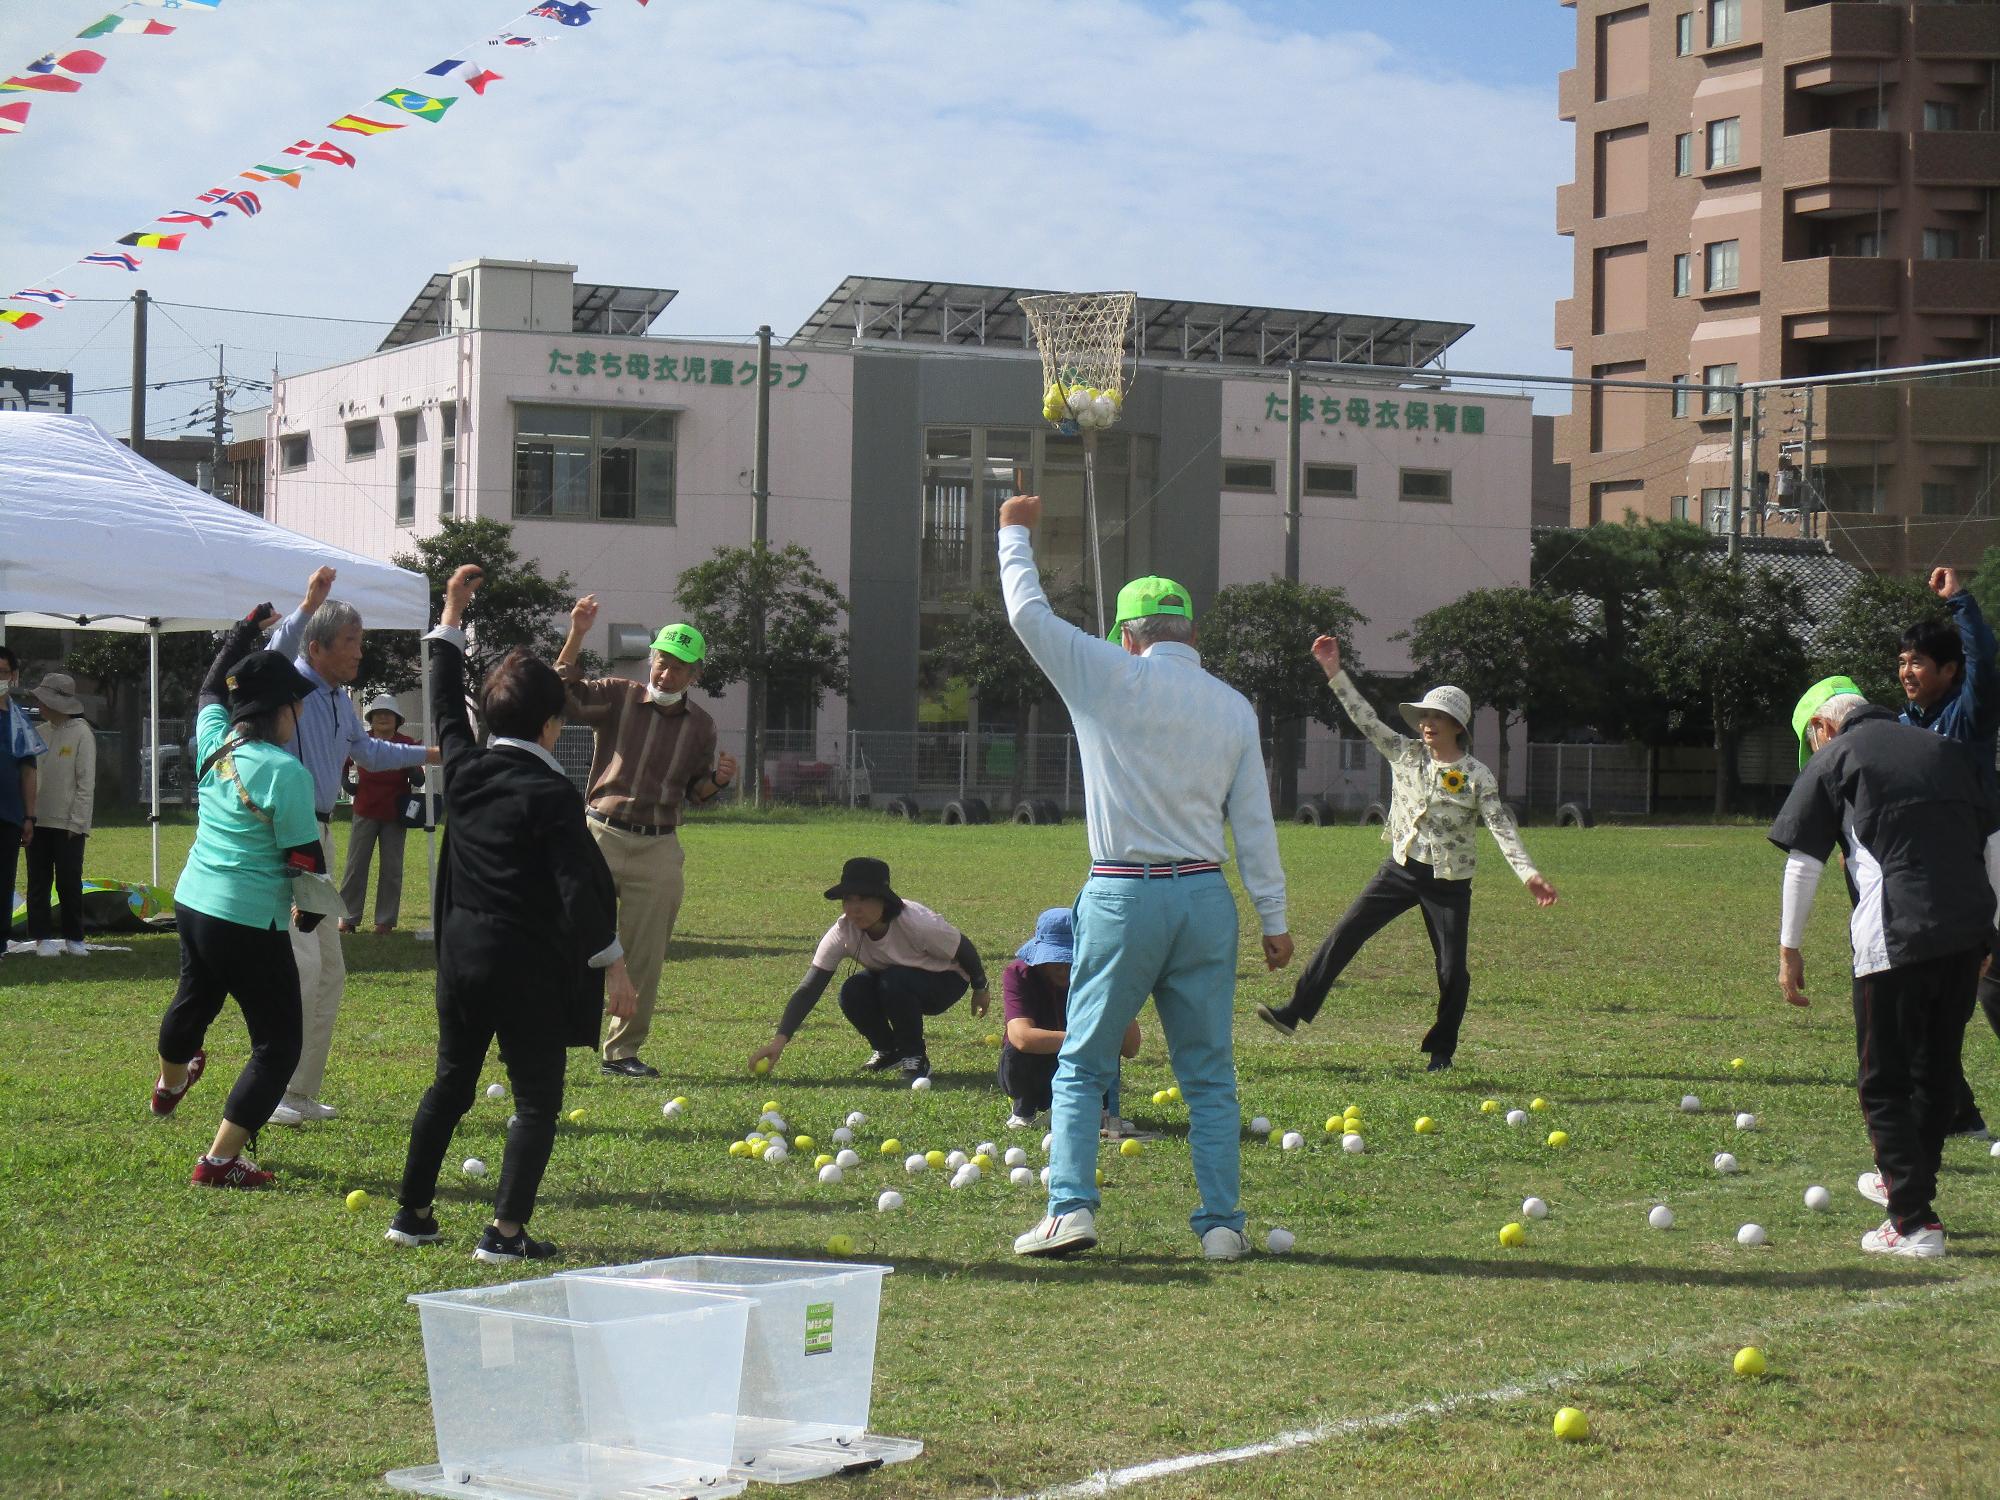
x=94, y=537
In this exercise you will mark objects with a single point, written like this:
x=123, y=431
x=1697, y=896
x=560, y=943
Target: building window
x=1335, y=480
x=1940, y=244
x=363, y=438
x=946, y=563
x=1715, y=403
x=791, y=716
x=294, y=452
x=1249, y=474
x=1684, y=34
x=408, y=429
x=1721, y=272
x=1677, y=508
x=576, y=463
x=1681, y=395
x=1683, y=274
x=1870, y=117
x=1940, y=115
x=1725, y=22
x=448, y=459
x=1725, y=142
x=1940, y=499
x=1431, y=486
x=1868, y=243
x=1715, y=508
x=1684, y=154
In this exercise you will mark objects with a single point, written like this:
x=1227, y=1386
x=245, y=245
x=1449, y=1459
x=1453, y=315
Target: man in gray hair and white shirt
x=325, y=635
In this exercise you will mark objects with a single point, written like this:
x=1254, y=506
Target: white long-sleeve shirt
x=67, y=792
x=1169, y=752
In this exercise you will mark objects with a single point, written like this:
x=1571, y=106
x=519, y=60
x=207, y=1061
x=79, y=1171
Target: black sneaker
x=1280, y=1021
x=411, y=1229
x=1971, y=1130
x=1439, y=1062
x=498, y=1249
x=914, y=1068
x=628, y=1067
x=880, y=1061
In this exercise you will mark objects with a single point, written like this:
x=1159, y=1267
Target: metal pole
x=1090, y=519
x=139, y=301
x=153, y=768
x=428, y=932
x=1806, y=519
x=1758, y=496
x=1292, y=474
x=1735, y=469
x=215, y=432
x=760, y=525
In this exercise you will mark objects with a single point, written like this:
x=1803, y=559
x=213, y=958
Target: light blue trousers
x=1175, y=940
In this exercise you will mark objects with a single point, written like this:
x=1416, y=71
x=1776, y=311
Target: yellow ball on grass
x=891, y=1146
x=1129, y=1147
x=1750, y=1361
x=356, y=1201
x=1425, y=1125
x=577, y=1117
x=934, y=1159
x=739, y=1148
x=1558, y=1138
x=840, y=1244
x=1512, y=1235
x=1571, y=1425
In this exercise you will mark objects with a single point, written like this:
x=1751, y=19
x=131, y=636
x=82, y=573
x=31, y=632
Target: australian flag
x=576, y=13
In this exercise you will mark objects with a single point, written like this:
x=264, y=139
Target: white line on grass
x=1107, y=1480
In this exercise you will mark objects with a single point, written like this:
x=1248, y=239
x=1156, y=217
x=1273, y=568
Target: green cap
x=683, y=641
x=1816, y=697
x=1150, y=596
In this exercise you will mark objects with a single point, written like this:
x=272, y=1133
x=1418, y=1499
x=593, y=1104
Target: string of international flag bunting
x=243, y=196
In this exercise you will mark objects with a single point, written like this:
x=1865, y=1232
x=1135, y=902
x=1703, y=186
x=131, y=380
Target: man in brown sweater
x=654, y=754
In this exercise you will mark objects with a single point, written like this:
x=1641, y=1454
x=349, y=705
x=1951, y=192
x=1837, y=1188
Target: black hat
x=263, y=681
x=865, y=877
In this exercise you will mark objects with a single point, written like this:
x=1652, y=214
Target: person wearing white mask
x=653, y=755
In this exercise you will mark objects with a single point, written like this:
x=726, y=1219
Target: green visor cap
x=1150, y=596
x=1816, y=697
x=683, y=641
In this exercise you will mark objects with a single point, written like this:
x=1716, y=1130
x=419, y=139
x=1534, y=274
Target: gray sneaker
x=1224, y=1243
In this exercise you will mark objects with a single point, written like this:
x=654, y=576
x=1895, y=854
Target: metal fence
x=1604, y=779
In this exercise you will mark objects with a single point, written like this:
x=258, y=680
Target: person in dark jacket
x=1948, y=672
x=527, y=932
x=1920, y=834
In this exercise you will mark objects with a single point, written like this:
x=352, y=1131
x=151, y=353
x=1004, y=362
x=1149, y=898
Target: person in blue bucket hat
x=1034, y=1000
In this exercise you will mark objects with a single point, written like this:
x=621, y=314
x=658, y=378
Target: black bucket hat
x=264, y=681
x=865, y=877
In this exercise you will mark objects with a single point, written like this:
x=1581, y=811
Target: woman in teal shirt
x=256, y=855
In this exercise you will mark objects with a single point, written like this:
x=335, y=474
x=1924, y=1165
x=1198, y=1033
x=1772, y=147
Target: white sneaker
x=1870, y=1186
x=48, y=948
x=77, y=950
x=1060, y=1234
x=1925, y=1244
x=1224, y=1243
x=1020, y=1122
x=312, y=1109
x=284, y=1114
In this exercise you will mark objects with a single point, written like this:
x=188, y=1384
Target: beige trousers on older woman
x=647, y=870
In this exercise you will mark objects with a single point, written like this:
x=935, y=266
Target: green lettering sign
x=819, y=1328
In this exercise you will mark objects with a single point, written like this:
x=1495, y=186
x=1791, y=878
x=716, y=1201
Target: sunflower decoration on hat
x=1452, y=780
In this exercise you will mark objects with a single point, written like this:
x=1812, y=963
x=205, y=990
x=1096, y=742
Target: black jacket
x=524, y=898
x=1909, y=810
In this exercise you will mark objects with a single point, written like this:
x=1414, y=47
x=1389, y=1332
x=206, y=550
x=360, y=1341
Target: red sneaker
x=238, y=1172
x=164, y=1099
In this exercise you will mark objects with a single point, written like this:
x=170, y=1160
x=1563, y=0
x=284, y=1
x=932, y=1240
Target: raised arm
x=1073, y=660
x=1979, y=689
x=1326, y=651
x=454, y=728
x=290, y=637
x=238, y=642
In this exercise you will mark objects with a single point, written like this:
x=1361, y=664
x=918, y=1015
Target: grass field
x=167, y=1342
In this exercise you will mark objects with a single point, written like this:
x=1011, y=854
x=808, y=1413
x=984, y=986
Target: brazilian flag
x=423, y=106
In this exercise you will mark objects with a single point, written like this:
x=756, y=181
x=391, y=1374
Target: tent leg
x=153, y=770
x=427, y=933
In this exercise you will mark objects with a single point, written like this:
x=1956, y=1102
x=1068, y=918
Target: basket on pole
x=1082, y=338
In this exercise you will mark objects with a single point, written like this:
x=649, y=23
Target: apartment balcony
x=1957, y=31
x=1838, y=158
x=1955, y=414
x=1841, y=31
x=1573, y=206
x=1858, y=412
x=1956, y=158
x=1836, y=284
x=1572, y=93
x=1962, y=287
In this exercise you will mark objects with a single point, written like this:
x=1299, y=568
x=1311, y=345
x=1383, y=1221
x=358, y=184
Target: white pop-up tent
x=92, y=537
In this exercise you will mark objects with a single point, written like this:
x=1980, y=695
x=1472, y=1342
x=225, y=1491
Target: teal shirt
x=236, y=870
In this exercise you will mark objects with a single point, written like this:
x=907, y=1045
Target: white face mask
x=665, y=700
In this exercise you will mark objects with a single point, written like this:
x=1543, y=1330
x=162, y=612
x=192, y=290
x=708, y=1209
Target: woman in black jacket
x=527, y=931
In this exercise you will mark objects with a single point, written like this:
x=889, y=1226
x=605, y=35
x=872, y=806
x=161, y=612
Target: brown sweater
x=645, y=760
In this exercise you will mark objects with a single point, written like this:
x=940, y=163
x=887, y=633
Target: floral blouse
x=1436, y=805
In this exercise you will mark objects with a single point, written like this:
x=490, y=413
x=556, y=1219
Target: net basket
x=1082, y=337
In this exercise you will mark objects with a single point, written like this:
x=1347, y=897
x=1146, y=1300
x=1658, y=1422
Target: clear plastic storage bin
x=567, y=1387
x=808, y=1359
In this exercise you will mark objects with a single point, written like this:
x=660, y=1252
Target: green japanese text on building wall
x=1361, y=411
x=671, y=369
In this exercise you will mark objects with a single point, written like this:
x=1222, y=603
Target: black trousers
x=1447, y=909
x=221, y=960
x=888, y=1006
x=1909, y=1026
x=55, y=860
x=473, y=1009
x=1028, y=1078
x=1967, y=1116
x=10, y=859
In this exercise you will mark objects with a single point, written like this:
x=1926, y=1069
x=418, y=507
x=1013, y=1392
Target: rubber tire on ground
x=901, y=807
x=1026, y=813
x=967, y=811
x=1573, y=815
x=1314, y=812
x=1374, y=812
x=1051, y=810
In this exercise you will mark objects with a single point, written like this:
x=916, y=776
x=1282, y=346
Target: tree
x=1512, y=649
x=1984, y=584
x=1861, y=636
x=517, y=605
x=805, y=645
x=1726, y=650
x=121, y=665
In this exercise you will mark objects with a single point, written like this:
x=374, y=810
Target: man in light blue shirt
x=1169, y=755
x=323, y=636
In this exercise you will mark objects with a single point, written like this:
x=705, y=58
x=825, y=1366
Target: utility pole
x=216, y=435
x=760, y=525
x=1735, y=470
x=1287, y=748
x=139, y=301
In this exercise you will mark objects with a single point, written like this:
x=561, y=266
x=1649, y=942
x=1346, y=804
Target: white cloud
x=752, y=155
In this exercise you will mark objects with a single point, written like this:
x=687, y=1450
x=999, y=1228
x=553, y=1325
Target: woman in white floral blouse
x=1441, y=793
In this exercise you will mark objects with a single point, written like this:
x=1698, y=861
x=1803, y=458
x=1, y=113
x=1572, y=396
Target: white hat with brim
x=58, y=691
x=383, y=704
x=1450, y=701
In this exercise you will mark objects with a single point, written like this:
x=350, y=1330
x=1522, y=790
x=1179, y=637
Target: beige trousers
x=647, y=869
x=322, y=980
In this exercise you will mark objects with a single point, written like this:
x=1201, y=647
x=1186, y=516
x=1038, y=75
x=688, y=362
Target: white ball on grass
x=1045, y=1176
x=857, y=1119
x=965, y=1176
x=848, y=1157
x=1292, y=1140
x=915, y=1164
x=1689, y=1104
x=985, y=1148
x=776, y=1151
x=474, y=1167
x=842, y=1136
x=1534, y=1208
x=1746, y=1121
x=1047, y=1141
x=1260, y=1126
x=1818, y=1199
x=921, y=1085
x=671, y=1108
x=1996, y=1149
x=1661, y=1217
x=956, y=1159
x=1021, y=1177
x=496, y=1091
x=1517, y=1117
x=1353, y=1144
x=1279, y=1241
x=772, y=1118
x=830, y=1173
x=1752, y=1235
x=1015, y=1157
x=889, y=1199
x=1725, y=1163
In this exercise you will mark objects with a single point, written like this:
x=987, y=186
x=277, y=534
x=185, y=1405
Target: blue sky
x=1397, y=158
